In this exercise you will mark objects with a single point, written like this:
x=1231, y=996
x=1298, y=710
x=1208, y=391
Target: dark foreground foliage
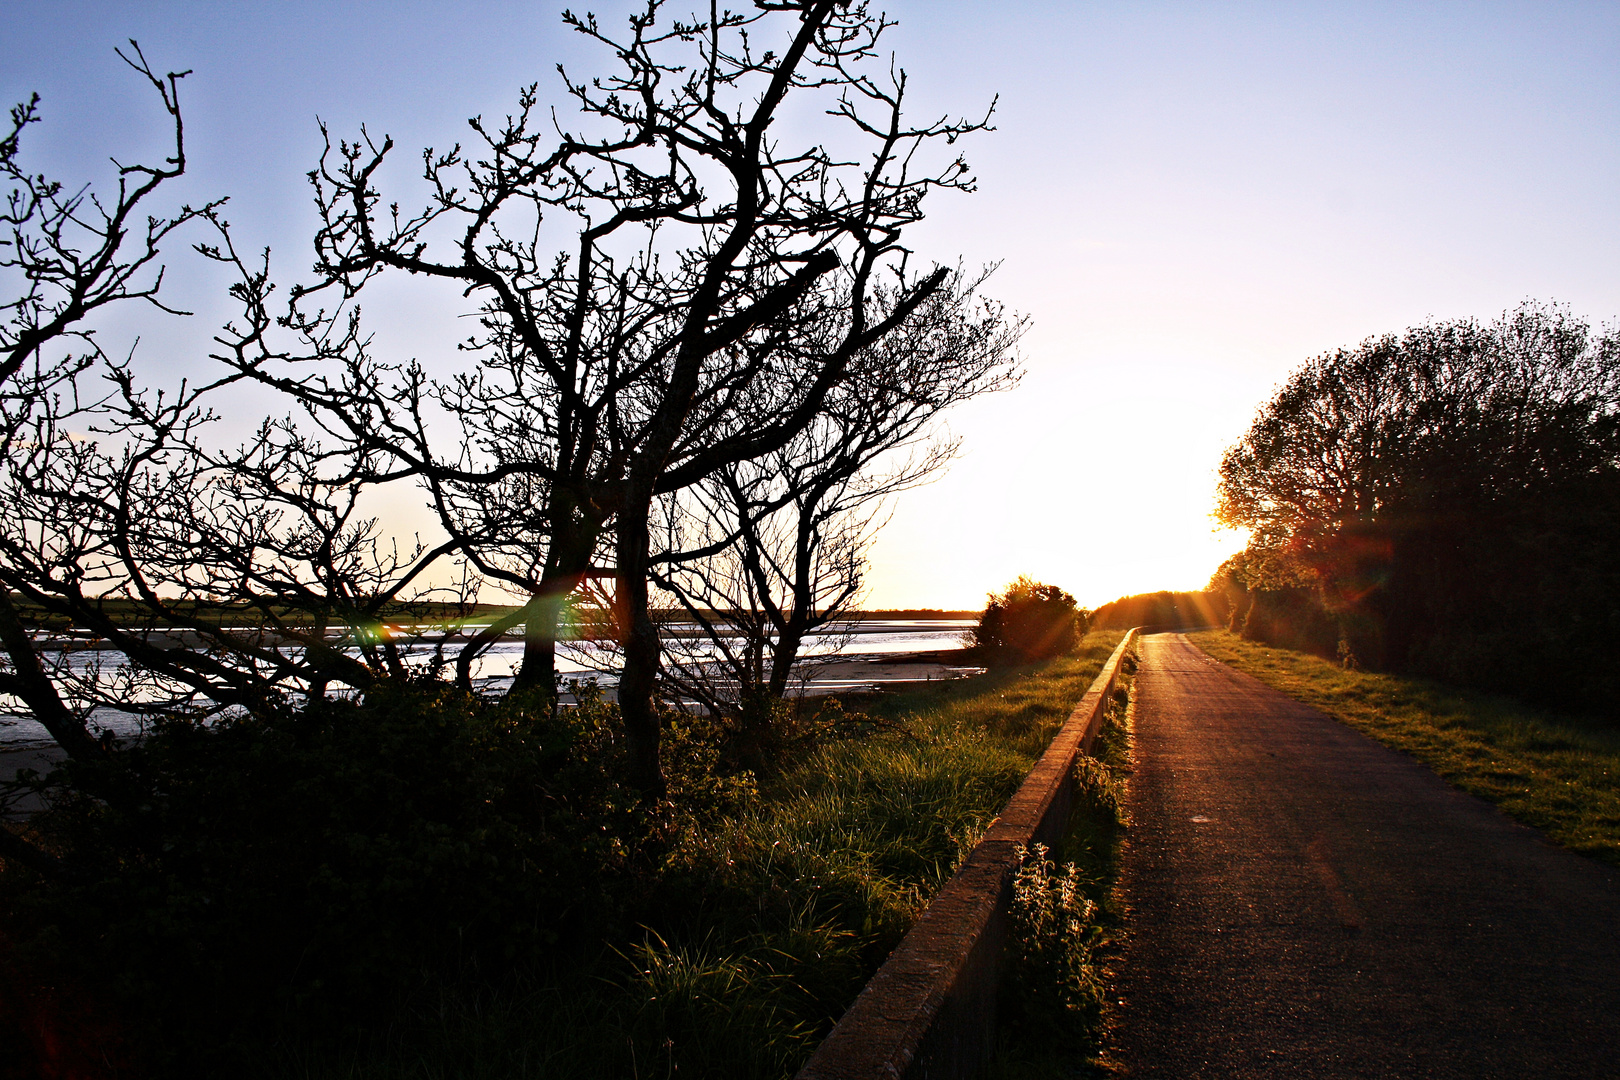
x=305, y=869
x=428, y=884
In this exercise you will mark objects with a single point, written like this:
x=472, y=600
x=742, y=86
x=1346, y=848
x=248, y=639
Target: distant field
x=129, y=612
x=1559, y=774
x=915, y=613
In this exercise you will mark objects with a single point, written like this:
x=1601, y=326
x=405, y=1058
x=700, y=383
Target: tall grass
x=762, y=927
x=1560, y=774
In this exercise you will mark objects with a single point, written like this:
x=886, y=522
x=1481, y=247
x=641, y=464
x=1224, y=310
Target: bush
x=425, y=883
x=312, y=867
x=1028, y=622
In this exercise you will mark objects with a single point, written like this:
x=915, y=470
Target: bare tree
x=644, y=284
x=197, y=573
x=69, y=255
x=766, y=552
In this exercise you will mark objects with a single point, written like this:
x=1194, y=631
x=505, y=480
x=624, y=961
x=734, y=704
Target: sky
x=1188, y=200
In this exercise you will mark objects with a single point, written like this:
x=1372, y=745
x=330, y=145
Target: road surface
x=1304, y=902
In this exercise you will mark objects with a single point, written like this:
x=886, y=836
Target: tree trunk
x=638, y=684
x=783, y=656
x=30, y=683
x=539, y=667
x=573, y=541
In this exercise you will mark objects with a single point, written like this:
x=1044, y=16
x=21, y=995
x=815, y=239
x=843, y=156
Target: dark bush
x=315, y=866
x=1028, y=622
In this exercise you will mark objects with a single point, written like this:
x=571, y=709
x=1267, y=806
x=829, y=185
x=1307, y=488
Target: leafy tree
x=1452, y=494
x=1272, y=597
x=1028, y=622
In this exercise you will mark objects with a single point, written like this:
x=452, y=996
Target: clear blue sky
x=1188, y=200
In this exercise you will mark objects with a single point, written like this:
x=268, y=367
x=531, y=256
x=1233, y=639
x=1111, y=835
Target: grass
x=764, y=925
x=1559, y=774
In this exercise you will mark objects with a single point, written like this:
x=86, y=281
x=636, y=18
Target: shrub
x=315, y=865
x=1028, y=622
x=424, y=883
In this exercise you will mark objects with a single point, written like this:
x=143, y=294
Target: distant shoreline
x=132, y=615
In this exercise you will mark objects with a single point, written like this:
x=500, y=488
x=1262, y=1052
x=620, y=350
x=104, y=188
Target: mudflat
x=1304, y=902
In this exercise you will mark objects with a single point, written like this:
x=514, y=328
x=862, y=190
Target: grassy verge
x=763, y=925
x=1556, y=773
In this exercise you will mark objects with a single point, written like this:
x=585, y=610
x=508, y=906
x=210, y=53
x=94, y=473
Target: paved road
x=1306, y=903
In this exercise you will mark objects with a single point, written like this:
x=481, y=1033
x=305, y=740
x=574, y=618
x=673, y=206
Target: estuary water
x=841, y=658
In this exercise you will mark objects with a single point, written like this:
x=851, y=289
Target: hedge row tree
x=1163, y=610
x=647, y=285
x=1272, y=596
x=766, y=552
x=1453, y=492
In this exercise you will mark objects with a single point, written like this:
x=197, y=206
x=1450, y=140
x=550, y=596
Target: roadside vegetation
x=1557, y=773
x=1066, y=918
x=426, y=884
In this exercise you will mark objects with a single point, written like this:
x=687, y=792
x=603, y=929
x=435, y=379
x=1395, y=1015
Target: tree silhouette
x=767, y=551
x=646, y=288
x=1451, y=492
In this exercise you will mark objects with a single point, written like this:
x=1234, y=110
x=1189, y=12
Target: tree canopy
x=1450, y=494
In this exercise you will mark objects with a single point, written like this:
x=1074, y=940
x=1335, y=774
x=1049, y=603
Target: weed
x=1055, y=992
x=1064, y=919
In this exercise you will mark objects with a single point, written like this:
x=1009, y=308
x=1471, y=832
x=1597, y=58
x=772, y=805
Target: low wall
x=930, y=1011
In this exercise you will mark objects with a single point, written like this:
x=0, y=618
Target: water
x=848, y=658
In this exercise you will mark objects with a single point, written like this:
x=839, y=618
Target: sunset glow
x=1188, y=201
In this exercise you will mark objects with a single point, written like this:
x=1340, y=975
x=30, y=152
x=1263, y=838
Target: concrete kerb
x=930, y=1011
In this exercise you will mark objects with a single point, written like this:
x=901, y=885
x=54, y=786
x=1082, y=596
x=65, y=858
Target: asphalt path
x=1304, y=902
